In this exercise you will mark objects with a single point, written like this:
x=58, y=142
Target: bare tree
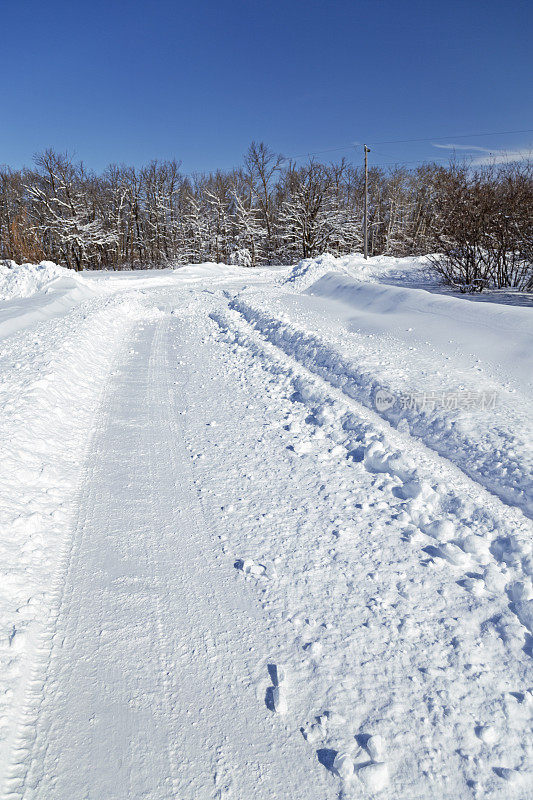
x=262, y=165
x=270, y=211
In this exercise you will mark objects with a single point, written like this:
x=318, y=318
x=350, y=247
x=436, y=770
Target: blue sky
x=128, y=81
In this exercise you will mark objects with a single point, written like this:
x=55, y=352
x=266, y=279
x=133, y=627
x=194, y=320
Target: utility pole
x=365, y=223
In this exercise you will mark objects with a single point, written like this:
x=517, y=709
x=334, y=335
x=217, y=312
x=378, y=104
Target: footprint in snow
x=441, y=529
x=512, y=776
x=276, y=695
x=302, y=448
x=374, y=776
x=364, y=763
x=250, y=568
x=277, y=674
x=326, y=723
x=487, y=734
x=450, y=553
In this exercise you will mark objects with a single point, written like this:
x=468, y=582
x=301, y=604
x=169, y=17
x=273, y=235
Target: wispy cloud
x=461, y=147
x=499, y=156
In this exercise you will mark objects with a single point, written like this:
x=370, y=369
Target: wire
x=431, y=160
x=319, y=152
x=354, y=145
x=454, y=136
x=402, y=163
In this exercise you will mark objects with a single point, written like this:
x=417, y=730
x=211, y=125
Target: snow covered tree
x=67, y=215
x=262, y=165
x=217, y=198
x=269, y=211
x=309, y=217
x=193, y=233
x=250, y=233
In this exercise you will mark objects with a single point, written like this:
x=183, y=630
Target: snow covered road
x=144, y=687
x=260, y=587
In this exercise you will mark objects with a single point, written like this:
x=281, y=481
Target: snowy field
x=264, y=534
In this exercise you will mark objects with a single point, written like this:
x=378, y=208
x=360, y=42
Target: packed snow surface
x=264, y=534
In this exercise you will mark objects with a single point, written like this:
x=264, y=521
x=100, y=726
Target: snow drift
x=24, y=280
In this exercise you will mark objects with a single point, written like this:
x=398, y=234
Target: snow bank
x=385, y=269
x=489, y=443
x=491, y=331
x=52, y=378
x=306, y=272
x=24, y=280
x=34, y=293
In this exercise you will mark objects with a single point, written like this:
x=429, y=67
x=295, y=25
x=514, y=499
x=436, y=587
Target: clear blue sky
x=128, y=81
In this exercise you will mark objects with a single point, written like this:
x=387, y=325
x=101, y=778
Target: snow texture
x=26, y=279
x=229, y=569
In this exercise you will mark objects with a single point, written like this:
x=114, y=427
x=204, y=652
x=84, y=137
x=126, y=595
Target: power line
x=484, y=155
x=354, y=145
x=416, y=161
x=455, y=136
x=351, y=146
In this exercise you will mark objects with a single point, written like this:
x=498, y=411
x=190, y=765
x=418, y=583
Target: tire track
x=432, y=487
x=321, y=359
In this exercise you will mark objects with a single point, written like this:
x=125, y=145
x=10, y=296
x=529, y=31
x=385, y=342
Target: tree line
x=269, y=211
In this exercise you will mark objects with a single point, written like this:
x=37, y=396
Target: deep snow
x=264, y=533
x=23, y=280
